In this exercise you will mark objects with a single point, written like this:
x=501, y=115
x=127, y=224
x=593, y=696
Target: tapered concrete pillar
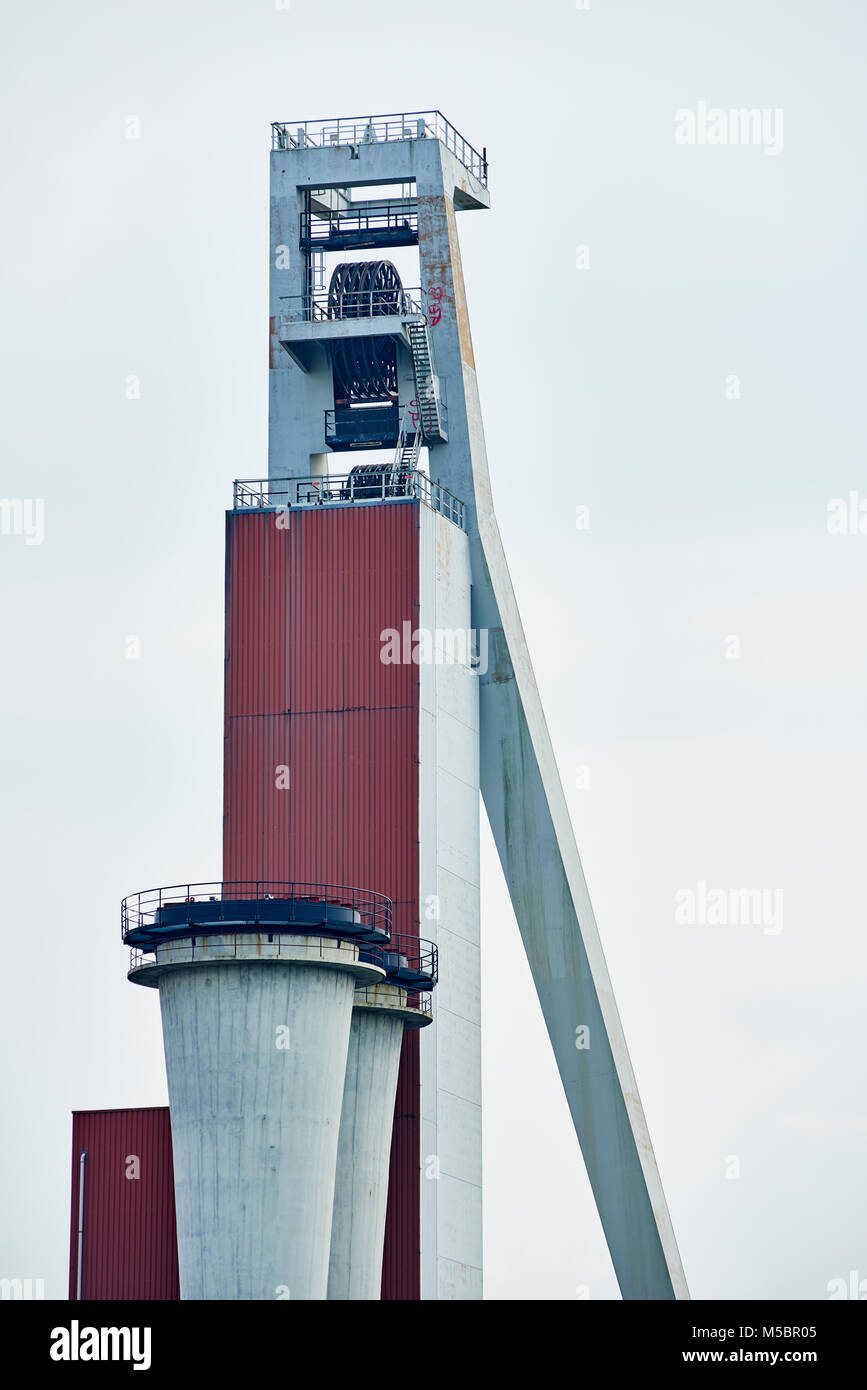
x=256, y=1032
x=379, y=1018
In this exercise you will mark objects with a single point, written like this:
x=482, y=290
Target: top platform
x=385, y=129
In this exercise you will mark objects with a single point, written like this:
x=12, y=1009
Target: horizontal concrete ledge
x=325, y=330
x=255, y=948
x=389, y=999
x=413, y=1019
x=379, y=162
x=301, y=336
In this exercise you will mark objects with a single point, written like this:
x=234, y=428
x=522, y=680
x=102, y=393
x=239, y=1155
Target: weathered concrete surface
x=361, y=1187
x=449, y=873
x=255, y=1057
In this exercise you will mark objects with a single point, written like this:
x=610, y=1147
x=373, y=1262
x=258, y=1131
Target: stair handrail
x=401, y=437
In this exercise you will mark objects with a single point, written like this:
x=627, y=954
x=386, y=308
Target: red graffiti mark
x=413, y=413
x=435, y=309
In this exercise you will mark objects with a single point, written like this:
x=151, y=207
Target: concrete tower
x=379, y=1019
x=359, y=361
x=257, y=985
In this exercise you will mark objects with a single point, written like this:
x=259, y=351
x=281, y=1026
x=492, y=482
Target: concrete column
x=256, y=1047
x=361, y=1188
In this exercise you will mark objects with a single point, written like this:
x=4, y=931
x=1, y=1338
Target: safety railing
x=367, y=483
x=420, y=1003
x=391, y=218
x=409, y=961
x=370, y=130
x=359, y=304
x=275, y=903
x=260, y=494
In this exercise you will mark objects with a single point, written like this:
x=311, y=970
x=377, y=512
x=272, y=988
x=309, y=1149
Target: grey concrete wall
x=361, y=1187
x=256, y=1058
x=449, y=813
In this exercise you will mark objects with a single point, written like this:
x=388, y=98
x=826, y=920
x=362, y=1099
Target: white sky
x=603, y=387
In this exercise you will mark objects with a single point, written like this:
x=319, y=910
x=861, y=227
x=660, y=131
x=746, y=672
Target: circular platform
x=202, y=909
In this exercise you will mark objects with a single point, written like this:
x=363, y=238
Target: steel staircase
x=406, y=453
x=430, y=408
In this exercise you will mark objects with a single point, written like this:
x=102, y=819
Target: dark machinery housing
x=368, y=481
x=364, y=368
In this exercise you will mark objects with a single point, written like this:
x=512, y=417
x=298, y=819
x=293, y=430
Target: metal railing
x=320, y=305
x=369, y=130
x=366, y=483
x=409, y=960
x=144, y=910
x=420, y=1003
x=398, y=215
x=409, y=438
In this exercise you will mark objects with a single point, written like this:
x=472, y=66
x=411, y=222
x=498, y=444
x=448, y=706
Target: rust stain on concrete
x=461, y=312
x=441, y=262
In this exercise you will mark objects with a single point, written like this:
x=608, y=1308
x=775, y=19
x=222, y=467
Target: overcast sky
x=667, y=334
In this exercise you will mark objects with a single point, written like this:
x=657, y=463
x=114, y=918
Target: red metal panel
x=353, y=574
x=306, y=606
x=355, y=800
x=130, y=1245
x=401, y=1264
x=256, y=807
x=306, y=691
x=256, y=667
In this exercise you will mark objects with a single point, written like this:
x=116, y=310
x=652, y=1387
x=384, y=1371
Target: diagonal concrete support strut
x=527, y=811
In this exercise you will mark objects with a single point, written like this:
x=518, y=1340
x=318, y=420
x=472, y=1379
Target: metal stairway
x=408, y=444
x=430, y=407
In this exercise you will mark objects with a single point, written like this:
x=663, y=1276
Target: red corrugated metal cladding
x=308, y=595
x=129, y=1248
